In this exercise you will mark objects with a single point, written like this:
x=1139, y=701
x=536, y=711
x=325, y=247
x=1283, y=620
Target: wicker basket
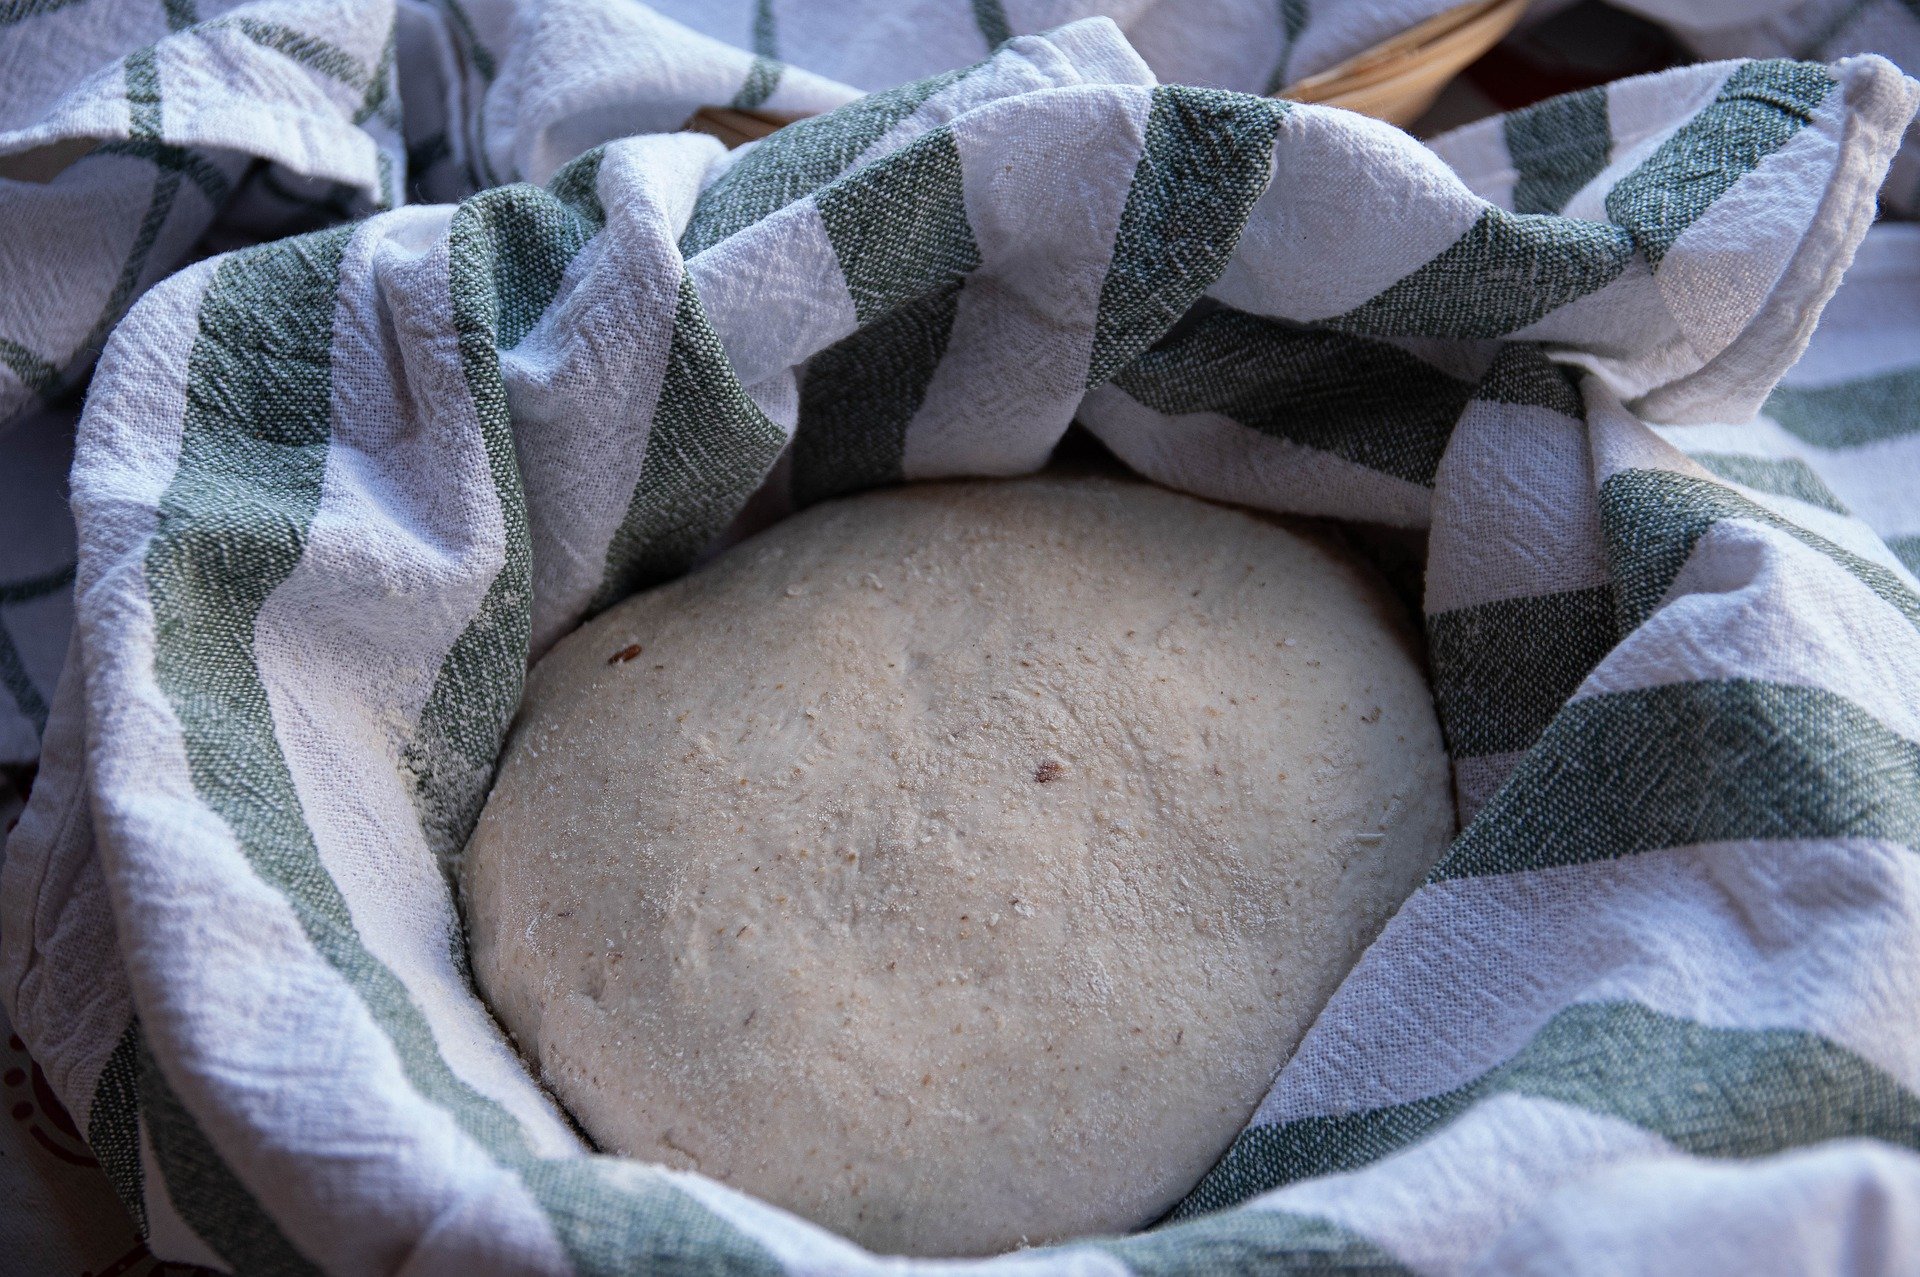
x=737, y=127
x=1396, y=80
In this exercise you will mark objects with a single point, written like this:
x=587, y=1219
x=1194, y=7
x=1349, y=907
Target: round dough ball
x=956, y=865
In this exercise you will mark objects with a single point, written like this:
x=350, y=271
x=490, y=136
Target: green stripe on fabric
x=171, y=163
x=899, y=226
x=146, y=121
x=1557, y=146
x=535, y=235
x=1521, y=374
x=1508, y=270
x=479, y=168
x=1757, y=110
x=991, y=17
x=647, y=1230
x=763, y=77
x=1687, y=763
x=499, y=284
x=19, y=684
x=858, y=396
x=12, y=11
x=1907, y=550
x=709, y=447
x=309, y=51
x=1255, y=1241
x=799, y=159
x=1652, y=519
x=181, y=14
x=496, y=274
x=231, y=527
x=1364, y=401
x=1502, y=670
x=35, y=373
x=766, y=36
x=1208, y=155
x=381, y=98
x=477, y=53
x=205, y=1192
x=899, y=230
x=508, y=251
x=166, y=189
x=1714, y=1092
x=386, y=191
x=1293, y=20
x=1848, y=414
x=113, y=1124
x=1781, y=476
x=195, y=168
x=577, y=185
x=142, y=73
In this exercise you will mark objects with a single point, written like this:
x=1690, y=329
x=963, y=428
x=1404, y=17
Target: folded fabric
x=124, y=138
x=1819, y=30
x=136, y=136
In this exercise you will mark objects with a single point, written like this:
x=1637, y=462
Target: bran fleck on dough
x=956, y=865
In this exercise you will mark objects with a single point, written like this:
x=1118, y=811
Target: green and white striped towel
x=1817, y=30
x=130, y=128
x=333, y=491
x=136, y=134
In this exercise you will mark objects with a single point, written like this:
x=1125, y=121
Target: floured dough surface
x=956, y=865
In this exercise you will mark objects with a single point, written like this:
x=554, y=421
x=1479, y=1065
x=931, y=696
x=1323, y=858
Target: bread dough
x=956, y=865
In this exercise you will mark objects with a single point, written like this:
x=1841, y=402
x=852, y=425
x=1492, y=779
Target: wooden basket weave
x=1396, y=80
